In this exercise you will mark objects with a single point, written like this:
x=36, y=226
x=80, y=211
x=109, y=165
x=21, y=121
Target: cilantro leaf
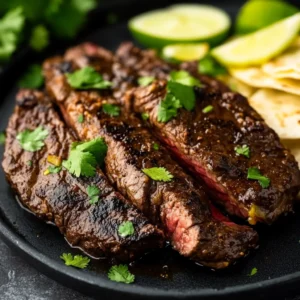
x=87, y=78
x=112, y=110
x=155, y=146
x=254, y=173
x=253, y=272
x=167, y=108
x=145, y=116
x=126, y=229
x=121, y=273
x=93, y=193
x=2, y=138
x=29, y=163
x=39, y=38
x=11, y=25
x=77, y=261
x=146, y=80
x=33, y=78
x=53, y=170
x=184, y=78
x=32, y=140
x=85, y=156
x=158, y=174
x=243, y=150
x=80, y=119
x=207, y=109
x=209, y=66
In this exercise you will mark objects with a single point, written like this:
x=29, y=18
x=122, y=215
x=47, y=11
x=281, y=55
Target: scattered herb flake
x=167, y=108
x=126, y=229
x=2, y=138
x=253, y=272
x=254, y=173
x=29, y=163
x=52, y=170
x=93, y=193
x=158, y=174
x=77, y=261
x=121, y=273
x=112, y=110
x=85, y=156
x=145, y=116
x=80, y=118
x=87, y=78
x=32, y=140
x=243, y=150
x=209, y=66
x=33, y=78
x=146, y=80
x=39, y=38
x=207, y=109
x=156, y=146
x=184, y=78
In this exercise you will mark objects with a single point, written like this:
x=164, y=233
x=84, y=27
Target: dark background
x=18, y=280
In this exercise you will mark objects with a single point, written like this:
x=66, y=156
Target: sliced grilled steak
x=182, y=210
x=206, y=143
x=62, y=198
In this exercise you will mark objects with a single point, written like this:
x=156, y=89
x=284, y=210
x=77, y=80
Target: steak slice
x=62, y=198
x=182, y=210
x=206, y=143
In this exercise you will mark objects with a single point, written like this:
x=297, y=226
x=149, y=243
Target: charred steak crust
x=62, y=198
x=181, y=210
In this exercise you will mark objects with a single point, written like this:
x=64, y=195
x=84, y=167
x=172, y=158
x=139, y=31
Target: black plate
x=162, y=274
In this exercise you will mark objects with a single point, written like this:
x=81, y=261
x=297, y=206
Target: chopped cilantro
x=243, y=150
x=184, y=78
x=39, y=38
x=112, y=110
x=155, y=146
x=33, y=78
x=87, y=78
x=32, y=140
x=145, y=116
x=77, y=261
x=126, y=229
x=2, y=138
x=80, y=118
x=29, y=163
x=253, y=272
x=53, y=170
x=146, y=80
x=158, y=174
x=254, y=173
x=209, y=66
x=93, y=193
x=85, y=156
x=167, y=108
x=121, y=273
x=207, y=109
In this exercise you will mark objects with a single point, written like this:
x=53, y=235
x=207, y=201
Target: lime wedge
x=186, y=23
x=260, y=46
x=257, y=14
x=185, y=52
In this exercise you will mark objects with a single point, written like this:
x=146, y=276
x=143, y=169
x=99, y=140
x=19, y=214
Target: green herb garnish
x=126, y=229
x=243, y=150
x=184, y=78
x=254, y=173
x=33, y=78
x=39, y=38
x=158, y=174
x=253, y=272
x=168, y=108
x=207, y=109
x=87, y=78
x=80, y=118
x=145, y=116
x=77, y=261
x=146, y=80
x=29, y=163
x=121, y=273
x=93, y=193
x=84, y=157
x=53, y=170
x=2, y=138
x=32, y=140
x=155, y=146
x=209, y=66
x=112, y=110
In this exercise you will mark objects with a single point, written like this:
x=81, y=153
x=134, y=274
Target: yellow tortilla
x=255, y=77
x=280, y=110
x=286, y=65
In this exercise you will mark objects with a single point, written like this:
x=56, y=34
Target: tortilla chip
x=294, y=146
x=280, y=110
x=255, y=77
x=237, y=85
x=286, y=65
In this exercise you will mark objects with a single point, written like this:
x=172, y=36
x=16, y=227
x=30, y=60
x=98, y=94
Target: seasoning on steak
x=206, y=143
x=182, y=210
x=62, y=198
